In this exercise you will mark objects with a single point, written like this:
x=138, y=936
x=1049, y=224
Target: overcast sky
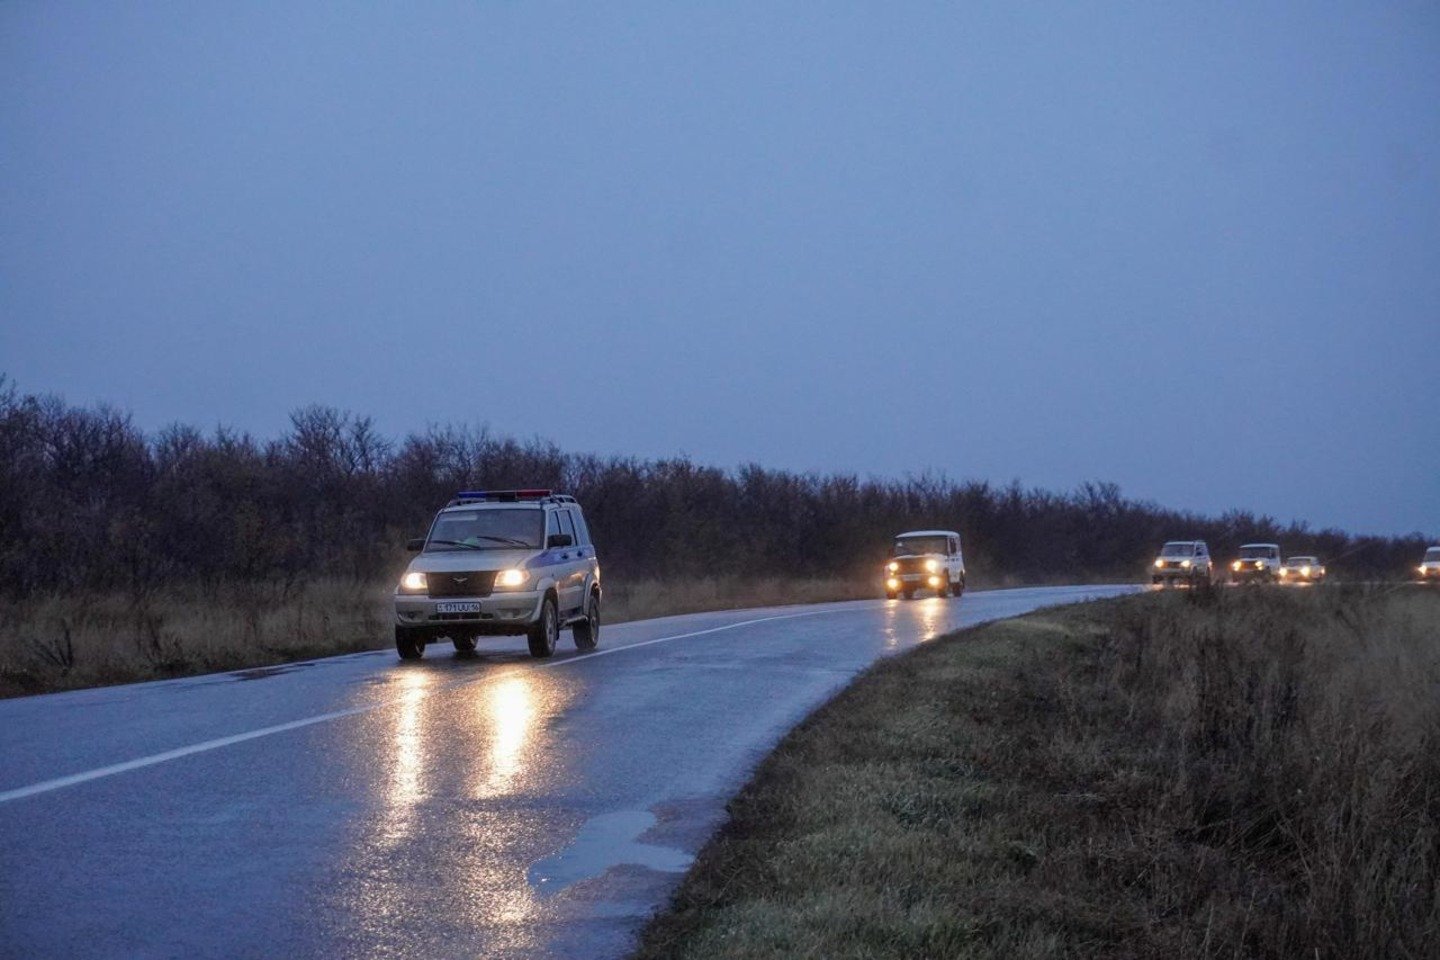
x=1193, y=249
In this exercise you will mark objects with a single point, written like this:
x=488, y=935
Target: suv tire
x=464, y=646
x=544, y=632
x=410, y=644
x=958, y=587
x=586, y=631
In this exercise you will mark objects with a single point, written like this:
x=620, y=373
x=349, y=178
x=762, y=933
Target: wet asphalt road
x=357, y=807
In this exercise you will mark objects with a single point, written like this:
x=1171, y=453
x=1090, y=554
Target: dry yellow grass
x=67, y=642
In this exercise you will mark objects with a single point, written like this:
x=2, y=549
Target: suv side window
x=953, y=546
x=562, y=518
x=581, y=530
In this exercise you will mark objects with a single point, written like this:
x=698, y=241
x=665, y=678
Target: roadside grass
x=73, y=641
x=1233, y=773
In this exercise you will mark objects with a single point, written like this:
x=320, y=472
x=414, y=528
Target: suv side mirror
x=559, y=540
x=415, y=545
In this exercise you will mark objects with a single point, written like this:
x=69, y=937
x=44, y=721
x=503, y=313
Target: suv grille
x=912, y=564
x=461, y=583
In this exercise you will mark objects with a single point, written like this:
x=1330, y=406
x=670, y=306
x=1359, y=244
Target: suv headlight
x=512, y=578
x=413, y=582
x=892, y=566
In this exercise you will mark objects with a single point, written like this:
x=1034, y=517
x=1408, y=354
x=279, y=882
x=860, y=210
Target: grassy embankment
x=68, y=642
x=1237, y=773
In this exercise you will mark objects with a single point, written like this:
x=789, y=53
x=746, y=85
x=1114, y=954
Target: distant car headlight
x=1235, y=565
x=413, y=582
x=892, y=566
x=892, y=584
x=514, y=577
x=1305, y=571
x=931, y=566
x=1185, y=564
x=1159, y=563
x=934, y=581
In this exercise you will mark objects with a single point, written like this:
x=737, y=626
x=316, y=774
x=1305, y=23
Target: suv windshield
x=502, y=529
x=1178, y=550
x=1256, y=553
x=913, y=546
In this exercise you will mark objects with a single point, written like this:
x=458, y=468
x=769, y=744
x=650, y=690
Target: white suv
x=1258, y=563
x=501, y=562
x=925, y=560
x=1430, y=567
x=1183, y=560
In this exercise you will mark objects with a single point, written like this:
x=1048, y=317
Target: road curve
x=359, y=807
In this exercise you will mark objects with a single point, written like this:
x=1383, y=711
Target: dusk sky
x=1191, y=249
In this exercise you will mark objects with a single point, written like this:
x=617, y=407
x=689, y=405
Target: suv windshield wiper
x=482, y=536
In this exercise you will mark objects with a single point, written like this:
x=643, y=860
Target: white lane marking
x=45, y=786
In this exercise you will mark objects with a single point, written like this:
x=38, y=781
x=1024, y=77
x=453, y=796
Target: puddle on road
x=606, y=841
x=260, y=673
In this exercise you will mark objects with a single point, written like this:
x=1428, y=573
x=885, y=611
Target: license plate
x=467, y=606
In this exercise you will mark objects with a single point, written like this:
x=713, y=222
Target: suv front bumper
x=506, y=612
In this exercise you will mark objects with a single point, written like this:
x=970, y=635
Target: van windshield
x=506, y=528
x=914, y=546
x=1178, y=550
x=1432, y=554
x=1257, y=553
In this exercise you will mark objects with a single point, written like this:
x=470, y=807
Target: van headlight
x=892, y=566
x=512, y=578
x=413, y=582
x=931, y=566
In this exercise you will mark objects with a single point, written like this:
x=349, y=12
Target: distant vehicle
x=1430, y=567
x=501, y=562
x=1302, y=570
x=925, y=560
x=1183, y=561
x=1258, y=563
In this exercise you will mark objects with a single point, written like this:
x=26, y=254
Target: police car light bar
x=502, y=494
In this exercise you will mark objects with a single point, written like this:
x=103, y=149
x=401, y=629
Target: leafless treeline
x=87, y=500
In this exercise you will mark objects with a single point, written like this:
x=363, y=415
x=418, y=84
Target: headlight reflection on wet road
x=448, y=766
x=507, y=708
x=933, y=615
x=404, y=782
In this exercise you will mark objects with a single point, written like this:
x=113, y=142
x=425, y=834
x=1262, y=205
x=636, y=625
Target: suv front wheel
x=543, y=633
x=410, y=644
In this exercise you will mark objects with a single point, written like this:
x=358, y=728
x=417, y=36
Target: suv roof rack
x=509, y=496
